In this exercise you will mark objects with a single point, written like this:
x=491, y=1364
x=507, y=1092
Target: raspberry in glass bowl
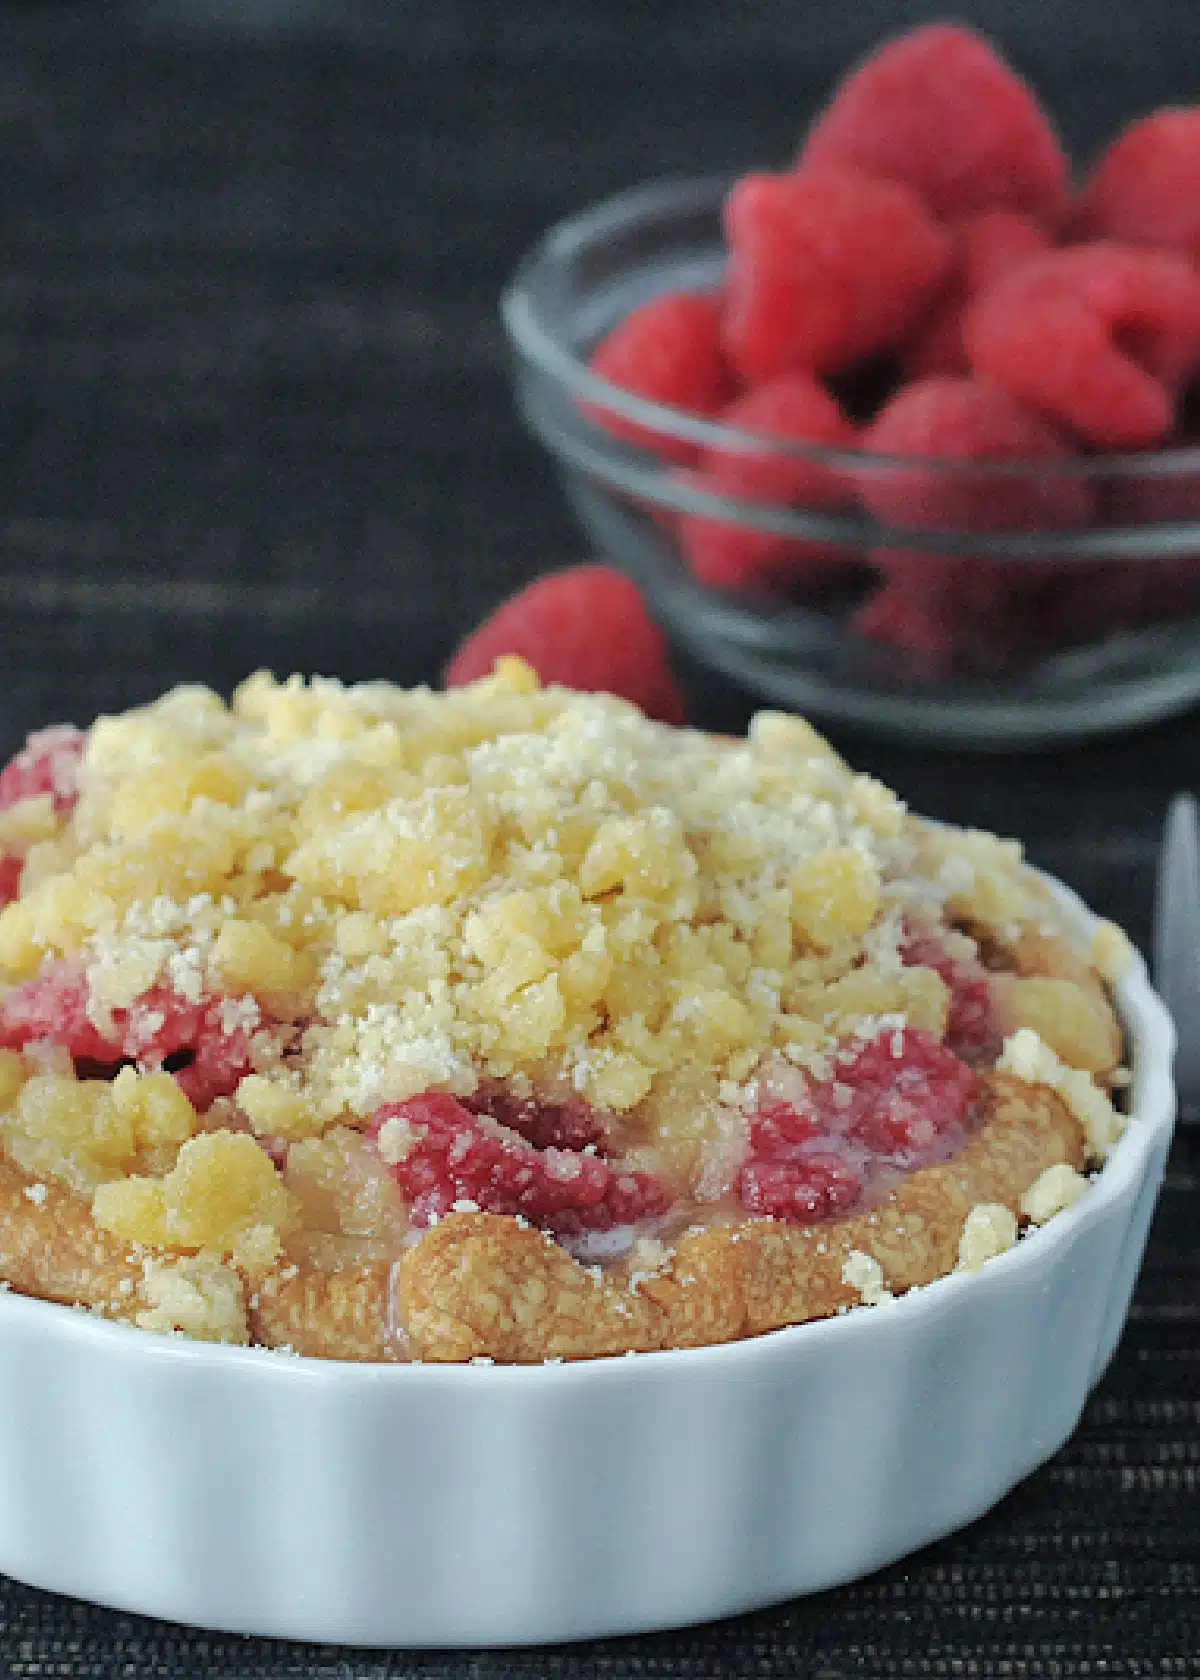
x=456, y=1129
x=892, y=442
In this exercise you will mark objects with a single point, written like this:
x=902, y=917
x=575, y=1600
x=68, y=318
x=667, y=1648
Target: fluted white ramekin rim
x=364, y=1411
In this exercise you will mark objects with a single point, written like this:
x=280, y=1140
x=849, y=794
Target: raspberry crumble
x=507, y=1023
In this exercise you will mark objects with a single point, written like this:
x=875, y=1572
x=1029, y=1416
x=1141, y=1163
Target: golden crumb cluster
x=384, y=893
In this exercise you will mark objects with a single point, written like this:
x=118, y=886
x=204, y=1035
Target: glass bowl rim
x=547, y=349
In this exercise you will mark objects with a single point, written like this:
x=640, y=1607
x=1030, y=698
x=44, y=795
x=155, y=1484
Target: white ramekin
x=433, y=1506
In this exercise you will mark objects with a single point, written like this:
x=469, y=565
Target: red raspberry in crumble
x=780, y=1130
x=10, y=877
x=546, y=1125
x=908, y=1095
x=901, y=1100
x=203, y=1044
x=816, y=1186
x=52, y=1008
x=47, y=763
x=971, y=1032
x=206, y=1051
x=451, y=1155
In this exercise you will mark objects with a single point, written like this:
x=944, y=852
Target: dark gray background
x=254, y=410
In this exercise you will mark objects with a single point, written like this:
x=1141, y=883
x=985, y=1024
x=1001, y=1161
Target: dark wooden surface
x=254, y=410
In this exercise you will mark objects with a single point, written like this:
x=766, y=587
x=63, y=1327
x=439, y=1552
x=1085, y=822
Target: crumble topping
x=988, y=1230
x=1111, y=952
x=864, y=1273
x=197, y=1295
x=1029, y=1058
x=1057, y=1188
x=297, y=979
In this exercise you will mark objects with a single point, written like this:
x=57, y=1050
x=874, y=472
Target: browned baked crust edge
x=481, y=1286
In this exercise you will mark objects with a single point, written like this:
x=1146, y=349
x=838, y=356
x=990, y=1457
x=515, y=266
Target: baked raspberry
x=989, y=245
x=781, y=1130
x=546, y=1125
x=826, y=268
x=586, y=627
x=812, y=1187
x=899, y=1100
x=962, y=420
x=48, y=763
x=207, y=1052
x=795, y=408
x=971, y=1031
x=1145, y=189
x=668, y=351
x=902, y=1095
x=940, y=110
x=457, y=1156
x=11, y=867
x=52, y=1007
x=204, y=1045
x=1099, y=338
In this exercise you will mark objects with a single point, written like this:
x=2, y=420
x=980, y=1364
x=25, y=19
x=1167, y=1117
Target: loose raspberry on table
x=668, y=351
x=1145, y=189
x=1099, y=338
x=940, y=110
x=971, y=1031
x=456, y=1156
x=967, y=420
x=207, y=1056
x=826, y=268
x=47, y=763
x=795, y=408
x=586, y=627
x=990, y=244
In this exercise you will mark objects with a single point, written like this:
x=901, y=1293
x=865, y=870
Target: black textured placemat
x=254, y=410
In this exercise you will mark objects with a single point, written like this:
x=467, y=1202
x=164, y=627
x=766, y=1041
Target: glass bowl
x=1038, y=601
